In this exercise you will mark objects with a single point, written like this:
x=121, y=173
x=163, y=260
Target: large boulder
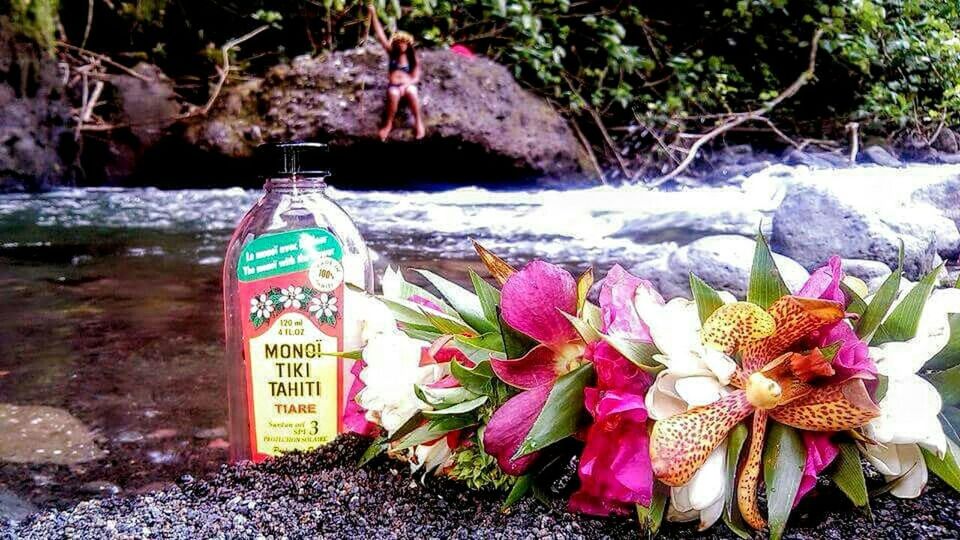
x=723, y=261
x=852, y=219
x=339, y=97
x=36, y=143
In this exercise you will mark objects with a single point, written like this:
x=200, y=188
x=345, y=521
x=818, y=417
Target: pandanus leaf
x=766, y=285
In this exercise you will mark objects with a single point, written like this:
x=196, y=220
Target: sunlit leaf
x=489, y=298
x=476, y=379
x=902, y=322
x=882, y=300
x=584, y=283
x=377, y=447
x=466, y=303
x=588, y=333
x=491, y=341
x=641, y=353
x=856, y=302
x=766, y=285
x=784, y=456
x=447, y=324
x=562, y=413
x=441, y=398
x=948, y=384
x=707, y=299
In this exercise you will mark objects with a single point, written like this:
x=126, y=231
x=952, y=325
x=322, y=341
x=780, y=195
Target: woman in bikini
x=403, y=76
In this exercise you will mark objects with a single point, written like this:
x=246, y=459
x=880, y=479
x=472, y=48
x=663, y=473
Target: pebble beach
x=324, y=494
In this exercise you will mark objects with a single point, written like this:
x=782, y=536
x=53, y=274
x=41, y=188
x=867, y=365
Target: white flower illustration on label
x=326, y=274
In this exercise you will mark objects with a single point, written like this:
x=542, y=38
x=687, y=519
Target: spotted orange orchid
x=776, y=379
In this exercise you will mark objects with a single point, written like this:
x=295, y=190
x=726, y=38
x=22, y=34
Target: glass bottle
x=292, y=275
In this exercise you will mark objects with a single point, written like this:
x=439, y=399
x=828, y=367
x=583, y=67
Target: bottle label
x=291, y=298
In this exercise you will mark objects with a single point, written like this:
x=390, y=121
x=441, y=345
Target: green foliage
x=36, y=19
x=479, y=470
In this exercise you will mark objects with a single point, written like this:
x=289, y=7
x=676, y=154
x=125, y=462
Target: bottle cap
x=296, y=158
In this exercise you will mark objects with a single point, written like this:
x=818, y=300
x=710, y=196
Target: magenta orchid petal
x=824, y=282
x=509, y=426
x=425, y=302
x=354, y=416
x=614, y=372
x=853, y=358
x=615, y=471
x=536, y=368
x=821, y=452
x=617, y=313
x=531, y=301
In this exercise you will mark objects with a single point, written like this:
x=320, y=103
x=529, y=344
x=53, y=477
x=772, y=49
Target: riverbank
x=325, y=494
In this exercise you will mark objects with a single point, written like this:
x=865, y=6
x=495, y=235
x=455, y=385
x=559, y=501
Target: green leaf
x=446, y=324
x=883, y=383
x=949, y=355
x=830, y=351
x=950, y=419
x=731, y=511
x=588, y=333
x=948, y=384
x=377, y=447
x=476, y=379
x=463, y=301
x=766, y=285
x=424, y=434
x=409, y=290
x=707, y=299
x=491, y=341
x=520, y=488
x=515, y=344
x=641, y=353
x=882, y=300
x=902, y=322
x=489, y=297
x=441, y=398
x=451, y=422
x=422, y=334
x=459, y=408
x=948, y=468
x=562, y=413
x=651, y=517
x=406, y=312
x=784, y=457
x=857, y=304
x=848, y=475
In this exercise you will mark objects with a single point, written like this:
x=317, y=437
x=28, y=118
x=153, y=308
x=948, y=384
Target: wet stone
x=41, y=434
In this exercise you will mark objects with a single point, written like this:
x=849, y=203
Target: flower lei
x=271, y=302
x=677, y=409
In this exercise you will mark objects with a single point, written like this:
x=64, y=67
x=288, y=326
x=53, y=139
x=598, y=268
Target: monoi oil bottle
x=293, y=276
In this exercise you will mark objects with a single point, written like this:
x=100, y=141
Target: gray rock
x=14, y=509
x=816, y=221
x=882, y=157
x=799, y=157
x=871, y=272
x=723, y=261
x=943, y=194
x=41, y=434
x=338, y=97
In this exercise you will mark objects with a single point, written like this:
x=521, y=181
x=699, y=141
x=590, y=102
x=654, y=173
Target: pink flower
x=354, y=416
x=821, y=452
x=531, y=302
x=615, y=471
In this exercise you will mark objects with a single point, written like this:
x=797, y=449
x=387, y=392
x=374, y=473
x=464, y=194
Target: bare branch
x=224, y=71
x=735, y=119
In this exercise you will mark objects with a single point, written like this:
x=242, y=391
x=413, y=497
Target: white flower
x=261, y=307
x=430, y=457
x=292, y=297
x=323, y=306
x=675, y=329
x=909, y=410
x=702, y=497
x=695, y=376
x=391, y=372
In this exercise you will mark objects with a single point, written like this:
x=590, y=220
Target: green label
x=282, y=253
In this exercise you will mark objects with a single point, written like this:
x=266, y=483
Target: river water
x=111, y=307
